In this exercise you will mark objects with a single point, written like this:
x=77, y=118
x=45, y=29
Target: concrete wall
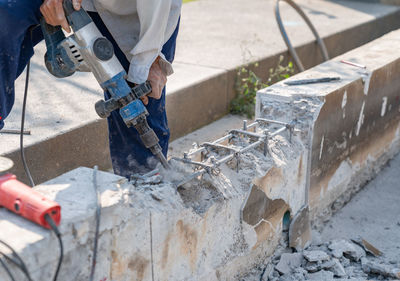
x=219, y=227
x=357, y=127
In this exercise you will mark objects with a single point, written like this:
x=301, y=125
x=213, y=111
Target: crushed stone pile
x=340, y=259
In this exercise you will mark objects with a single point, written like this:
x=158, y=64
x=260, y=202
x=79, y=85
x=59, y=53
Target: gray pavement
x=373, y=213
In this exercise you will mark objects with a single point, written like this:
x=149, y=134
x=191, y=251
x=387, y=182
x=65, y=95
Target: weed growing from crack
x=248, y=83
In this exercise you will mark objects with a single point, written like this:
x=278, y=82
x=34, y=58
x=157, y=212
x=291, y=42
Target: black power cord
x=16, y=260
x=54, y=227
x=21, y=135
x=7, y=270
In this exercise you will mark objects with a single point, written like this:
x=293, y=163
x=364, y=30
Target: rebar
x=262, y=139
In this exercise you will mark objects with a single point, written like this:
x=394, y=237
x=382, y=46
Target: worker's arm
x=156, y=26
x=53, y=12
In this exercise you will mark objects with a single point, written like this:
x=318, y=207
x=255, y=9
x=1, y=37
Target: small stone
x=156, y=195
x=368, y=247
x=327, y=264
x=351, y=250
x=275, y=273
x=345, y=261
x=315, y=256
x=379, y=268
x=268, y=272
x=312, y=267
x=320, y=275
x=338, y=269
x=288, y=262
x=350, y=271
x=287, y=277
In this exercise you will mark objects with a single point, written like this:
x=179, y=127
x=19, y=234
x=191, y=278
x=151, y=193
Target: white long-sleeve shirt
x=140, y=28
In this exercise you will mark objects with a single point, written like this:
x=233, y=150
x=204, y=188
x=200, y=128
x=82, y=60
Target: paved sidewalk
x=373, y=213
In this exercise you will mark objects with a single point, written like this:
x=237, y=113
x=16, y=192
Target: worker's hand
x=157, y=79
x=53, y=12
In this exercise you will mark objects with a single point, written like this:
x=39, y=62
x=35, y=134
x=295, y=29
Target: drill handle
x=76, y=19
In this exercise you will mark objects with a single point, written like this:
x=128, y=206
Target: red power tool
x=23, y=200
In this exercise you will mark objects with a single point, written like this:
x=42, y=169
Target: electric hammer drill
x=87, y=50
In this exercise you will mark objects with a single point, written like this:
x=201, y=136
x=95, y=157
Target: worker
x=143, y=33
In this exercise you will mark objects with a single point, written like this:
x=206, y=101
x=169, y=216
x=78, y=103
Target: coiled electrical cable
x=285, y=37
x=16, y=260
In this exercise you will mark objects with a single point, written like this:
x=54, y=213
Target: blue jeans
x=17, y=39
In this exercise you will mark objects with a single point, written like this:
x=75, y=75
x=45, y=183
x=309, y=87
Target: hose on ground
x=285, y=37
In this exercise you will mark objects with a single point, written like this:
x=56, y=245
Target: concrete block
x=355, y=121
x=176, y=236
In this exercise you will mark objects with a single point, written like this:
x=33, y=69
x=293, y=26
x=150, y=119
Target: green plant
x=248, y=83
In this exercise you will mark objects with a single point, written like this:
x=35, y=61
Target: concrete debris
x=300, y=229
x=316, y=266
x=289, y=262
x=368, y=247
x=338, y=269
x=344, y=261
x=385, y=270
x=334, y=260
x=156, y=195
x=320, y=275
x=347, y=248
x=267, y=274
x=315, y=256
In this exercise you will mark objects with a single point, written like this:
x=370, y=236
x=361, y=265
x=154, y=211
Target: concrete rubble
x=296, y=266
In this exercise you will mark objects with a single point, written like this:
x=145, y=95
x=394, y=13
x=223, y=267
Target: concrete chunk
x=368, y=247
x=315, y=256
x=351, y=250
x=288, y=262
x=320, y=275
x=379, y=268
x=338, y=269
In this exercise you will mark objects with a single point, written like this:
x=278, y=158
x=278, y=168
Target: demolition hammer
x=88, y=51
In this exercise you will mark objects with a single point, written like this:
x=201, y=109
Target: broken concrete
x=350, y=250
x=323, y=265
x=315, y=256
x=352, y=136
x=380, y=269
x=289, y=262
x=221, y=224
